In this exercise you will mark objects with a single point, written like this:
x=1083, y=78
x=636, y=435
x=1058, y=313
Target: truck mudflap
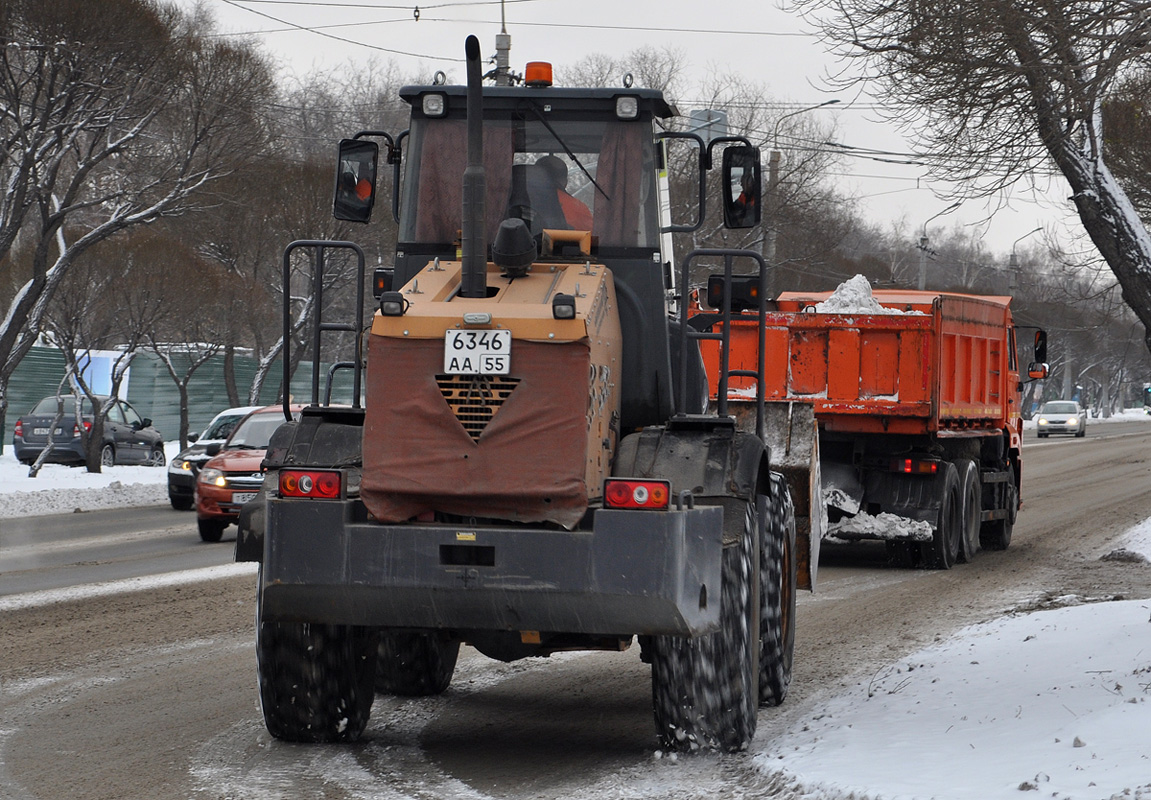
x=634, y=572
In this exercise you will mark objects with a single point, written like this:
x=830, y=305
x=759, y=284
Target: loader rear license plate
x=477, y=352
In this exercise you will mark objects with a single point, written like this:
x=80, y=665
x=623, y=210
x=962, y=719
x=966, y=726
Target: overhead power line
x=318, y=32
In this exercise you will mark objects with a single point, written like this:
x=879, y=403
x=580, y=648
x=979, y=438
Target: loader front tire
x=777, y=595
x=704, y=689
x=316, y=681
x=415, y=663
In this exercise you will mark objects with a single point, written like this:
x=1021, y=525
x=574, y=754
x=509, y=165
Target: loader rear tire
x=943, y=549
x=971, y=491
x=316, y=681
x=777, y=595
x=415, y=663
x=704, y=689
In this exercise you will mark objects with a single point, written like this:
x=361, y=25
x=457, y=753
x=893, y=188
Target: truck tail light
x=914, y=466
x=647, y=495
x=323, y=484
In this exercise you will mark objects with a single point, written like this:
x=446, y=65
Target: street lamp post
x=1013, y=262
x=923, y=241
x=772, y=195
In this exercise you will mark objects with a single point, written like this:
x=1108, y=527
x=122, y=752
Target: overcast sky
x=765, y=44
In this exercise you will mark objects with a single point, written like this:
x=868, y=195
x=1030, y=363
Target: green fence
x=151, y=390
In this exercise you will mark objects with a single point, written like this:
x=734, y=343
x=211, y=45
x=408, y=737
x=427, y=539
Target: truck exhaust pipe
x=474, y=278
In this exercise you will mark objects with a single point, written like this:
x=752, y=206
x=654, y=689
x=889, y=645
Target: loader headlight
x=627, y=107
x=563, y=306
x=435, y=105
x=393, y=304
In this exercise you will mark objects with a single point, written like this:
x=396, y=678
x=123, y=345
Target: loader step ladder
x=355, y=326
x=700, y=327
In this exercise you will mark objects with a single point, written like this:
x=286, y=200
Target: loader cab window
x=575, y=175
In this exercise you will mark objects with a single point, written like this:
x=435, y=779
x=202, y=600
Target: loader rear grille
x=475, y=399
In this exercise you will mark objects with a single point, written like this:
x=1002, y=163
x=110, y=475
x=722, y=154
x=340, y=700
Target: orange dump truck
x=916, y=399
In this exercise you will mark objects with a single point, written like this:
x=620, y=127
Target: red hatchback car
x=234, y=475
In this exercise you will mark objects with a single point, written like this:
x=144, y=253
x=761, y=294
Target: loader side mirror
x=1040, y=345
x=355, y=180
x=742, y=201
x=1037, y=370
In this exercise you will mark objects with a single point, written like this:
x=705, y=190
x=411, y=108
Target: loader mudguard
x=706, y=456
x=322, y=437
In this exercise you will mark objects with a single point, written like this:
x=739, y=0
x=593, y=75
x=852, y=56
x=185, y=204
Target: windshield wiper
x=564, y=145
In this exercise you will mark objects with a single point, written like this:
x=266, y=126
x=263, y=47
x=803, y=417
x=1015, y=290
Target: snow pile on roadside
x=59, y=489
x=1057, y=702
x=854, y=296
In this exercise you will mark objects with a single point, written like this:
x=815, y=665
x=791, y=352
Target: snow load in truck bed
x=854, y=296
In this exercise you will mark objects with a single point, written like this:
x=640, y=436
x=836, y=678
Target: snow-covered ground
x=59, y=489
x=1057, y=702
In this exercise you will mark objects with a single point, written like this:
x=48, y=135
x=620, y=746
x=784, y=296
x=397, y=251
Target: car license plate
x=40, y=431
x=243, y=497
x=477, y=352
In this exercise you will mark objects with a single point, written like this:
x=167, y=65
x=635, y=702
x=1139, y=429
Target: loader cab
x=581, y=161
x=556, y=158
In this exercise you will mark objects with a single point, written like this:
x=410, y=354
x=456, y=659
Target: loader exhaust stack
x=475, y=258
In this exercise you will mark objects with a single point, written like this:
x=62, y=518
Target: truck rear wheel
x=777, y=595
x=996, y=534
x=316, y=681
x=971, y=490
x=704, y=689
x=415, y=663
x=943, y=550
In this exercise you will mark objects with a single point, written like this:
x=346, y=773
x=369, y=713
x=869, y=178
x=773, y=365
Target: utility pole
x=772, y=208
x=503, y=52
x=771, y=197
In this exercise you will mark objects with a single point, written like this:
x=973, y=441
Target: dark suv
x=128, y=437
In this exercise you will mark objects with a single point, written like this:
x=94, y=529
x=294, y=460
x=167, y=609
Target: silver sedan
x=1061, y=416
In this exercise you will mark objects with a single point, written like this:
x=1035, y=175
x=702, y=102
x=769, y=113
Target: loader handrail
x=724, y=336
x=320, y=326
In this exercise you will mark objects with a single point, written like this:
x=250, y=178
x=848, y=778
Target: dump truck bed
x=939, y=363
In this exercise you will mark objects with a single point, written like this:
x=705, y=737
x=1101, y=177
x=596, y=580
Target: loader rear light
x=914, y=466
x=648, y=495
x=321, y=484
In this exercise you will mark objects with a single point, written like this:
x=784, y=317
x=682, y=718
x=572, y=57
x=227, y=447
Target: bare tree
x=1127, y=138
x=108, y=119
x=114, y=303
x=995, y=90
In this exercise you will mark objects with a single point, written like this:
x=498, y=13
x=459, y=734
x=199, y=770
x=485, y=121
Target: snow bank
x=59, y=489
x=1055, y=702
